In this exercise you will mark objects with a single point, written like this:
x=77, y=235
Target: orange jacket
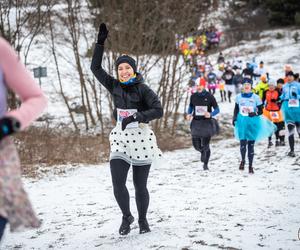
x=272, y=96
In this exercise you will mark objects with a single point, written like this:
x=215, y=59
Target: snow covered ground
x=189, y=208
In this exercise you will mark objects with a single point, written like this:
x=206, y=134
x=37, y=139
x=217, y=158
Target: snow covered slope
x=274, y=52
x=189, y=208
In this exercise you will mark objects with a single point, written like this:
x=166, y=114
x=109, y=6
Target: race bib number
x=245, y=110
x=123, y=113
x=200, y=110
x=293, y=103
x=274, y=115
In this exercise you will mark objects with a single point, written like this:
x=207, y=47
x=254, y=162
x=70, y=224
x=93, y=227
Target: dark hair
x=280, y=80
x=290, y=73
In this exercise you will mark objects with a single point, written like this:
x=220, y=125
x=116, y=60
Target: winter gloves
x=252, y=114
x=8, y=126
x=233, y=122
x=126, y=121
x=294, y=94
x=102, y=35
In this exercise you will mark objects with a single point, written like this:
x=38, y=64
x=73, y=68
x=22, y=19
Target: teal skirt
x=255, y=128
x=290, y=114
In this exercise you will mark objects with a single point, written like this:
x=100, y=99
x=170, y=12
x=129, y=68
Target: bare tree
x=147, y=31
x=20, y=23
x=53, y=49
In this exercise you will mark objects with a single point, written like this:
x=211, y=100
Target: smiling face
x=247, y=87
x=125, y=72
x=290, y=78
x=272, y=87
x=200, y=88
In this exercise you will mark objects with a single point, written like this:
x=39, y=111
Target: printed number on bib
x=200, y=110
x=274, y=115
x=293, y=103
x=245, y=110
x=123, y=113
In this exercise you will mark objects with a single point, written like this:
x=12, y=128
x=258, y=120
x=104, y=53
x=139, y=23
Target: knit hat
x=290, y=73
x=287, y=67
x=126, y=59
x=263, y=78
x=247, y=81
x=272, y=82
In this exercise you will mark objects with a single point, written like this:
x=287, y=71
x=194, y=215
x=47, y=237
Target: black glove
x=294, y=94
x=102, y=35
x=8, y=126
x=252, y=114
x=273, y=100
x=126, y=121
x=233, y=122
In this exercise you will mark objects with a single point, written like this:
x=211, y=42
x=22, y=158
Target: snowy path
x=189, y=208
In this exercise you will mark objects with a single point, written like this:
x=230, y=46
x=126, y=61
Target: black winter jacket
x=138, y=96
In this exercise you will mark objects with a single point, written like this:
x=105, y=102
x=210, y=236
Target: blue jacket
x=290, y=91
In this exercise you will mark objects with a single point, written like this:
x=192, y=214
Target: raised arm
x=20, y=81
x=104, y=78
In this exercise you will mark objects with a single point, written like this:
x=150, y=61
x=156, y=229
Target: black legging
x=223, y=95
x=3, y=222
x=243, y=149
x=291, y=129
x=229, y=95
x=280, y=126
x=202, y=145
x=119, y=170
x=212, y=91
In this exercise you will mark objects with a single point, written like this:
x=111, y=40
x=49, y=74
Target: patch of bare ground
x=42, y=150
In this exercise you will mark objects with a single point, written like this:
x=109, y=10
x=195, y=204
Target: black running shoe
x=144, y=226
x=251, y=171
x=282, y=143
x=242, y=165
x=291, y=154
x=125, y=226
x=205, y=167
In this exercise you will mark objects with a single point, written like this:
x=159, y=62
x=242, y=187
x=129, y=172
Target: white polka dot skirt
x=137, y=146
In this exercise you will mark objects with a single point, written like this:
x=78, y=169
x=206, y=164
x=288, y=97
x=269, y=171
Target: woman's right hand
x=189, y=117
x=102, y=35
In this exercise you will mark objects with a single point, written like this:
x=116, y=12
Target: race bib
x=245, y=110
x=200, y=110
x=274, y=115
x=293, y=103
x=123, y=113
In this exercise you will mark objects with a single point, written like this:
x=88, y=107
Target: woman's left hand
x=103, y=33
x=126, y=121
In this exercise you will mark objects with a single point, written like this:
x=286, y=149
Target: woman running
x=15, y=208
x=132, y=141
x=249, y=125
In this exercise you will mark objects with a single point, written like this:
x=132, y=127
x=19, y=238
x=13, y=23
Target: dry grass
x=44, y=149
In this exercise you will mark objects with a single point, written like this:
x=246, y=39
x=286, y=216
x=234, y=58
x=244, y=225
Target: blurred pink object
x=20, y=81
